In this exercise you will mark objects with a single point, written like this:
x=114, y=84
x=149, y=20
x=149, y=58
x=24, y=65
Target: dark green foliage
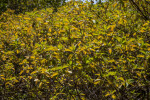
x=20, y=6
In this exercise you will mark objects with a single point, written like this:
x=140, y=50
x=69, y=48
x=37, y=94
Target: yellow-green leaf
x=54, y=74
x=141, y=56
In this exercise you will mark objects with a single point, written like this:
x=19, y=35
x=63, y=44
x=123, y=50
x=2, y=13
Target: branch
x=138, y=8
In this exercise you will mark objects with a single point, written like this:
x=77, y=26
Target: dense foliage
x=83, y=51
x=20, y=6
x=141, y=6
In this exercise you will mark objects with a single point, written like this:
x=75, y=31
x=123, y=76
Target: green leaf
x=111, y=73
x=59, y=68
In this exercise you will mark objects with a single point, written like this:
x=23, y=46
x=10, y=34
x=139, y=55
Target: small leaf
x=134, y=34
x=121, y=78
x=45, y=23
x=107, y=94
x=67, y=50
x=111, y=73
x=39, y=19
x=17, y=51
x=50, y=30
x=43, y=70
x=97, y=81
x=40, y=84
x=110, y=50
x=54, y=74
x=112, y=27
x=32, y=57
x=113, y=96
x=115, y=5
x=26, y=18
x=112, y=60
x=33, y=72
x=141, y=56
x=59, y=68
x=21, y=72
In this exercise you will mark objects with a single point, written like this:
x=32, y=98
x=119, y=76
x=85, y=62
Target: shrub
x=82, y=51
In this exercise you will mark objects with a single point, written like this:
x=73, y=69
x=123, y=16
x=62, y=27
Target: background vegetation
x=82, y=51
x=21, y=6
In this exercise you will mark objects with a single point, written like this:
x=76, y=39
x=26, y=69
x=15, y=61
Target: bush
x=82, y=51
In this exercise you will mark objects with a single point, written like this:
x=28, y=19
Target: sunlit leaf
x=54, y=74
x=141, y=56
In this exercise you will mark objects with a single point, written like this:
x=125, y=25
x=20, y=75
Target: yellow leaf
x=59, y=67
x=139, y=74
x=30, y=77
x=145, y=24
x=134, y=34
x=30, y=67
x=84, y=52
x=120, y=21
x=20, y=16
x=27, y=71
x=133, y=45
x=1, y=75
x=121, y=78
x=3, y=78
x=113, y=96
x=38, y=19
x=67, y=50
x=132, y=49
x=112, y=27
x=111, y=60
x=79, y=43
x=21, y=72
x=22, y=44
x=107, y=94
x=92, y=49
x=97, y=74
x=43, y=61
x=126, y=47
x=27, y=18
x=114, y=5
x=55, y=53
x=110, y=50
x=40, y=84
x=125, y=21
x=141, y=56
x=32, y=57
x=45, y=23
x=109, y=34
x=148, y=49
x=142, y=31
x=70, y=56
x=54, y=74
x=97, y=81
x=33, y=72
x=115, y=16
x=17, y=51
x=140, y=68
x=49, y=29
x=43, y=70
